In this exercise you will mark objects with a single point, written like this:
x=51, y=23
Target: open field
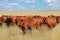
x=14, y=33
x=42, y=13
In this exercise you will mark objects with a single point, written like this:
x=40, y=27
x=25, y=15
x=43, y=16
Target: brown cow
x=8, y=21
x=37, y=21
x=51, y=21
x=18, y=19
x=4, y=17
x=24, y=23
x=13, y=19
x=58, y=18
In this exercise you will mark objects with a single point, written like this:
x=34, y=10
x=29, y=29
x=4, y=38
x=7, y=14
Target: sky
x=29, y=4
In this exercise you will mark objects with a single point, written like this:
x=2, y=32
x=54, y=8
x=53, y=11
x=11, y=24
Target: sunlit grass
x=14, y=33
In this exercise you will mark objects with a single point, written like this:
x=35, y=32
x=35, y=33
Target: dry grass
x=42, y=13
x=14, y=33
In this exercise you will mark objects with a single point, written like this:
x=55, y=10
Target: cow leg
x=50, y=27
x=1, y=25
x=38, y=28
x=29, y=28
x=7, y=24
x=23, y=29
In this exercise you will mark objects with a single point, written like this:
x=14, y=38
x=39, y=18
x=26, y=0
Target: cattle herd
x=30, y=22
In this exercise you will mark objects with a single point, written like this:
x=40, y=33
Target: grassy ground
x=14, y=33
